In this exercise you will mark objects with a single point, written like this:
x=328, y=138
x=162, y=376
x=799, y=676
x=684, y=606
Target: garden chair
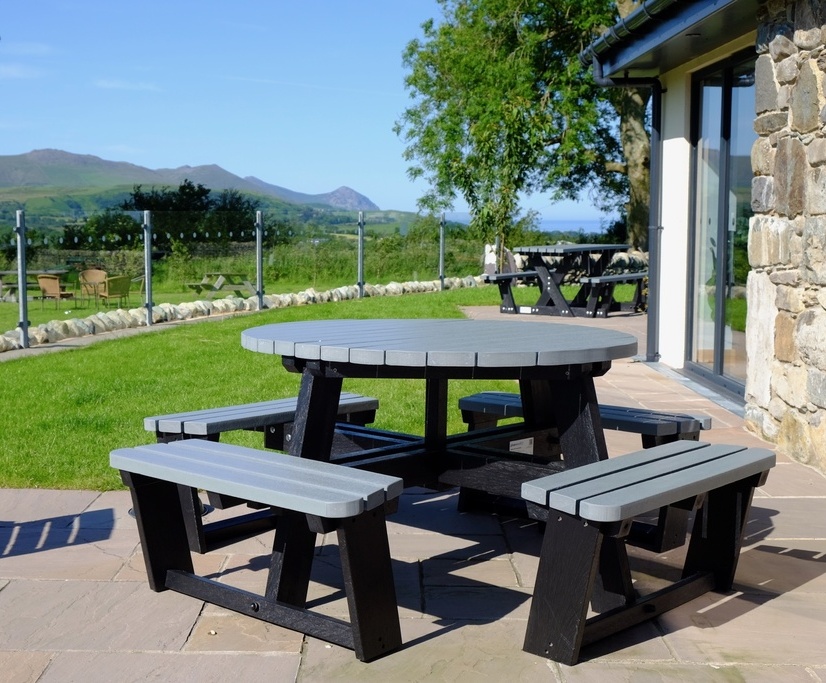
x=91, y=282
x=51, y=288
x=115, y=287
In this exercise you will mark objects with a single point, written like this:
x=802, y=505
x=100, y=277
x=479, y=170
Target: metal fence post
x=259, y=258
x=442, y=251
x=22, y=291
x=361, y=255
x=147, y=264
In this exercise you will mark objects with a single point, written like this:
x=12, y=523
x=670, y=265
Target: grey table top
x=559, y=249
x=440, y=343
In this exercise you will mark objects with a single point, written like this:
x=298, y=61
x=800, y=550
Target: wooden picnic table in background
x=9, y=285
x=213, y=283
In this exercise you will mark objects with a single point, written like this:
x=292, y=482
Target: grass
x=64, y=412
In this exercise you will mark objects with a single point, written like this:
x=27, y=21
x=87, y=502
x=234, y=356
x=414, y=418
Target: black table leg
x=551, y=301
x=571, y=406
x=315, y=416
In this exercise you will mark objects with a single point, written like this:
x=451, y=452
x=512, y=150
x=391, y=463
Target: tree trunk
x=631, y=105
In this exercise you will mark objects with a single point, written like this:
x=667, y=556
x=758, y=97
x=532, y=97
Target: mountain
x=52, y=168
x=342, y=198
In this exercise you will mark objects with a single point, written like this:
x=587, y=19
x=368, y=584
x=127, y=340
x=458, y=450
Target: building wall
x=786, y=326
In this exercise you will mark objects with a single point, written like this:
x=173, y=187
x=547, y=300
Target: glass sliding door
x=723, y=134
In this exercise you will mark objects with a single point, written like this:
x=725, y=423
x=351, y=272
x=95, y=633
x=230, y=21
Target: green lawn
x=63, y=412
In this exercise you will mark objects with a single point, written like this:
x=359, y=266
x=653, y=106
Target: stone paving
x=75, y=605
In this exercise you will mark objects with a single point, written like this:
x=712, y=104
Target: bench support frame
x=582, y=563
x=373, y=630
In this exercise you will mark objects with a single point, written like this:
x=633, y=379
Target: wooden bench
x=485, y=409
x=275, y=419
x=601, y=293
x=583, y=558
x=505, y=283
x=310, y=498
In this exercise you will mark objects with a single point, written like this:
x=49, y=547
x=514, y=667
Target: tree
x=230, y=214
x=503, y=107
x=174, y=212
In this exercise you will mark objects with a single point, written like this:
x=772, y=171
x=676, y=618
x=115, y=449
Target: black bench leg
x=613, y=586
x=508, y=304
x=640, y=299
x=161, y=527
x=368, y=583
x=292, y=559
x=717, y=535
x=193, y=510
x=568, y=566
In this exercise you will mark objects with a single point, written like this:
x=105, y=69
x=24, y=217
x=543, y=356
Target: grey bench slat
x=638, y=420
x=299, y=484
x=613, y=278
x=245, y=416
x=624, y=487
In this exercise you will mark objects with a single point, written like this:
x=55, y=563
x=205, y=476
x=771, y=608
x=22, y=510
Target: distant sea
x=587, y=225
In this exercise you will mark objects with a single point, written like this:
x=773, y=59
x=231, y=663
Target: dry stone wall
x=786, y=325
x=120, y=319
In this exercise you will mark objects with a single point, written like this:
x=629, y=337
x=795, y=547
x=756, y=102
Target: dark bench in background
x=309, y=498
x=601, y=293
x=583, y=558
x=487, y=408
x=505, y=283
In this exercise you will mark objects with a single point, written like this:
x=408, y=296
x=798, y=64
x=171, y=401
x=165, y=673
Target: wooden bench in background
x=601, y=293
x=485, y=410
x=274, y=418
x=309, y=498
x=583, y=558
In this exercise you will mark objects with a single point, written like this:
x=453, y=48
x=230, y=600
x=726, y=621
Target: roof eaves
x=626, y=28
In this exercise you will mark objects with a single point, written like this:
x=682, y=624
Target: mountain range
x=53, y=168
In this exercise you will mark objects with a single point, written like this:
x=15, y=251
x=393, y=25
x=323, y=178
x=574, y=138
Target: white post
x=442, y=251
x=147, y=264
x=361, y=256
x=259, y=258
x=22, y=291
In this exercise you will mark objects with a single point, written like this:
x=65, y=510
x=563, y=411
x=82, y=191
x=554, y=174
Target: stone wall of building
x=786, y=326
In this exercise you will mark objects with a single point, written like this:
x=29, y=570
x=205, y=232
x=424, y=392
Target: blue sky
x=299, y=93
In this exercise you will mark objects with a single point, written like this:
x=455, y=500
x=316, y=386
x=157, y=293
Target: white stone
x=811, y=333
x=790, y=385
x=760, y=336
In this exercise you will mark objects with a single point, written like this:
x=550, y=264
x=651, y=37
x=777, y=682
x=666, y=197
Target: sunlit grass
x=64, y=412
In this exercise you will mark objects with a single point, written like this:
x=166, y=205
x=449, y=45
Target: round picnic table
x=555, y=365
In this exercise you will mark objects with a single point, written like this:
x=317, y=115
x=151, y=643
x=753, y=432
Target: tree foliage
x=193, y=213
x=503, y=107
